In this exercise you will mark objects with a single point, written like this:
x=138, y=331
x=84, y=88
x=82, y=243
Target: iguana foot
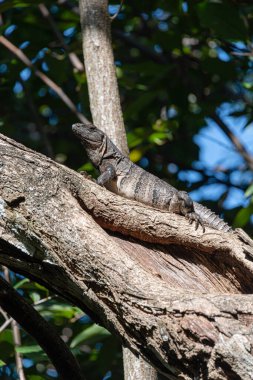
x=181, y=203
x=193, y=217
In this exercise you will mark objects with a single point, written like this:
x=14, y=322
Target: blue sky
x=216, y=151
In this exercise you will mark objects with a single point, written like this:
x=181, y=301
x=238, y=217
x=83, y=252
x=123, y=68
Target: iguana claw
x=193, y=217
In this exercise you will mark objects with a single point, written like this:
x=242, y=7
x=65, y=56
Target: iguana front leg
x=107, y=175
x=182, y=204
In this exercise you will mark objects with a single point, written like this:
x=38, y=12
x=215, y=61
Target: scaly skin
x=121, y=176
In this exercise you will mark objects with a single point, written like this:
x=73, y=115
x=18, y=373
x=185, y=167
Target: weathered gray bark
x=100, y=71
x=136, y=368
x=169, y=303
x=106, y=112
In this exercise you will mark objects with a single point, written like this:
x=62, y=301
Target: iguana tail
x=210, y=218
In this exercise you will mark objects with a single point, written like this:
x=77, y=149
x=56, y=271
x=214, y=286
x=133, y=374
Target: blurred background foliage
x=185, y=75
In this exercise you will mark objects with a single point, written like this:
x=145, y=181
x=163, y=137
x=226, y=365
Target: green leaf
x=88, y=167
x=223, y=18
x=243, y=216
x=35, y=296
x=16, y=4
x=249, y=191
x=21, y=283
x=93, y=332
x=58, y=310
x=135, y=155
x=159, y=138
x=41, y=287
x=137, y=137
x=6, y=336
x=28, y=349
x=2, y=363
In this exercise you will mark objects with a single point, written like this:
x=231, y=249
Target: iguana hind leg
x=182, y=204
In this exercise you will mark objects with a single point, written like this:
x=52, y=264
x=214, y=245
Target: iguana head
x=92, y=139
x=89, y=135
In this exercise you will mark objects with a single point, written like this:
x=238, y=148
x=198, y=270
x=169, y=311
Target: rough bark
x=136, y=368
x=100, y=71
x=169, y=303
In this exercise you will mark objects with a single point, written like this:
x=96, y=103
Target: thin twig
x=242, y=54
x=17, y=343
x=209, y=179
x=235, y=141
x=77, y=317
x=5, y=324
x=216, y=141
x=49, y=82
x=16, y=337
x=118, y=11
x=72, y=56
x=5, y=315
x=43, y=300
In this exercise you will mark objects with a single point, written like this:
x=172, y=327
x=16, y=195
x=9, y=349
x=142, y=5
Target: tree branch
x=42, y=331
x=15, y=330
x=77, y=64
x=235, y=141
x=118, y=11
x=100, y=71
x=49, y=82
x=163, y=301
x=5, y=324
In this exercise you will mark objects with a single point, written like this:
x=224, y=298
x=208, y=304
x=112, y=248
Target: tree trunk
x=100, y=71
x=171, y=303
x=136, y=368
x=106, y=111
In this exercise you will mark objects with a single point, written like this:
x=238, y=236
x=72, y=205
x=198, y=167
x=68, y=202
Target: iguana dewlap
x=121, y=176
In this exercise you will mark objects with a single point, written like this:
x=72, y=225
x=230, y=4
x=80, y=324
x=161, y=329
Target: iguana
x=121, y=176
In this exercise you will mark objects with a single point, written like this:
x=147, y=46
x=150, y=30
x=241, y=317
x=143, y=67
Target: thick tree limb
x=47, y=337
x=135, y=368
x=133, y=289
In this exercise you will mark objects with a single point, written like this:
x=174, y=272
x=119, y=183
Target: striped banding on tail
x=211, y=219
